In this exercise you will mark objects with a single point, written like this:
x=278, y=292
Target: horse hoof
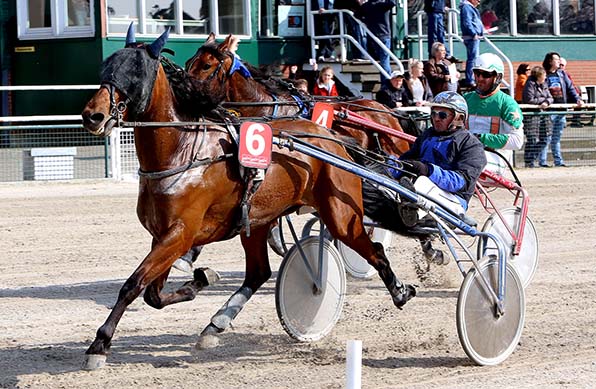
x=406, y=293
x=207, y=341
x=206, y=276
x=94, y=361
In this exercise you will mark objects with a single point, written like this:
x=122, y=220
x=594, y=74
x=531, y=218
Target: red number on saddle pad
x=322, y=114
x=255, y=145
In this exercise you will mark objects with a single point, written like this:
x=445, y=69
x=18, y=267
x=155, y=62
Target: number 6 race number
x=255, y=145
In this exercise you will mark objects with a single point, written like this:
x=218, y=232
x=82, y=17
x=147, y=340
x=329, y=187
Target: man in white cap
x=393, y=93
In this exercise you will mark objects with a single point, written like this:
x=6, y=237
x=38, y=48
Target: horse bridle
x=116, y=108
x=216, y=71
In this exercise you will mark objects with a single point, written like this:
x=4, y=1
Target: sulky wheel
x=312, y=228
x=357, y=266
x=486, y=338
x=527, y=261
x=307, y=314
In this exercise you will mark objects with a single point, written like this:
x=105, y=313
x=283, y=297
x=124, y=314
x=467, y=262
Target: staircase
x=361, y=78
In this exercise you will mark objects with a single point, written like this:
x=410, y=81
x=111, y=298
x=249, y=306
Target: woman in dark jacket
x=436, y=70
x=537, y=128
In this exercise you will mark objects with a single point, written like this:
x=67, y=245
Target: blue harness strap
x=238, y=66
x=302, y=107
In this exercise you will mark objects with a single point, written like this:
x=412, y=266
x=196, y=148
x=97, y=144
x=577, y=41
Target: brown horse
x=219, y=67
x=191, y=188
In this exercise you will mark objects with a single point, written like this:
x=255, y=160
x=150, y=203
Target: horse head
x=223, y=77
x=128, y=79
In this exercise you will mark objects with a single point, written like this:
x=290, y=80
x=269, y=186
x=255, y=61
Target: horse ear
x=130, y=35
x=210, y=38
x=226, y=44
x=156, y=46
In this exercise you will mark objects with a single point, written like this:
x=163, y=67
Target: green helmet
x=489, y=62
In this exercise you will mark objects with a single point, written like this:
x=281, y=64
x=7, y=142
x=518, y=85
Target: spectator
x=352, y=26
x=435, y=12
x=537, y=128
x=493, y=114
x=325, y=86
x=488, y=17
x=376, y=15
x=522, y=76
x=417, y=89
x=472, y=31
x=563, y=91
x=392, y=93
x=323, y=27
x=301, y=85
x=575, y=118
x=437, y=71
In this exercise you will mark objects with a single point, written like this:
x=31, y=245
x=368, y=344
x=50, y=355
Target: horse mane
x=188, y=92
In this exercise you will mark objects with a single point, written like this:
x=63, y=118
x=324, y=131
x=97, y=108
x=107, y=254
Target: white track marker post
x=354, y=364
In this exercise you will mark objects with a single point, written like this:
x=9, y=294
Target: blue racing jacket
x=455, y=159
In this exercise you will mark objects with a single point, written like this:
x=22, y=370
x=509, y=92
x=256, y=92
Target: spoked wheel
x=356, y=265
x=312, y=228
x=527, y=261
x=486, y=338
x=307, y=314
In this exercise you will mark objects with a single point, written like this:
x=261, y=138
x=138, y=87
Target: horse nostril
x=93, y=118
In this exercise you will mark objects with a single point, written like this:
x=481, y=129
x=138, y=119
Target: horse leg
x=348, y=227
x=430, y=253
x=185, y=262
x=155, y=264
x=203, y=277
x=258, y=272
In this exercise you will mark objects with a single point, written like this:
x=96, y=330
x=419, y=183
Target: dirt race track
x=66, y=248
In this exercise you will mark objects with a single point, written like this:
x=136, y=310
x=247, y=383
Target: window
x=535, y=17
x=577, y=16
x=47, y=19
x=282, y=18
x=495, y=14
x=185, y=17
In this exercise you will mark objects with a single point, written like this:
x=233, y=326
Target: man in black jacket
x=393, y=93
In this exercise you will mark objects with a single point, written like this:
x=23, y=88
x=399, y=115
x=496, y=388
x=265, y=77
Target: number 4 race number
x=255, y=145
x=322, y=114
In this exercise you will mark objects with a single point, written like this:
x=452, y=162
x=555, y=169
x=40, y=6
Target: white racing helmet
x=491, y=63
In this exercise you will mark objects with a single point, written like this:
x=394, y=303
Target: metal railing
x=63, y=150
x=50, y=147
x=453, y=34
x=343, y=37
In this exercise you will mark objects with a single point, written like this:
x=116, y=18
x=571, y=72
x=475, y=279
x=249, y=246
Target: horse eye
x=206, y=66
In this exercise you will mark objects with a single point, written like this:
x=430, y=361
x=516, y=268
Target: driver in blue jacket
x=450, y=156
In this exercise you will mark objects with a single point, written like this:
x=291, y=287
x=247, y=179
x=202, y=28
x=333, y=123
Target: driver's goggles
x=441, y=114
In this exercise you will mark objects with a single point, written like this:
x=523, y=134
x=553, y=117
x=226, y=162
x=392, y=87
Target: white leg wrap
x=231, y=308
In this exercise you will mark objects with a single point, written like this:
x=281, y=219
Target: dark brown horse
x=216, y=64
x=217, y=69
x=190, y=188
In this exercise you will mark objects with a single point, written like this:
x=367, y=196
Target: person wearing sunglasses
x=446, y=154
x=494, y=116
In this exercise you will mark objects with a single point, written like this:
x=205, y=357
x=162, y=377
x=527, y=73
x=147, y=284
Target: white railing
x=343, y=37
x=453, y=34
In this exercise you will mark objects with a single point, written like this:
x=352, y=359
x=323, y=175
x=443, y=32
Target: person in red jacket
x=325, y=86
